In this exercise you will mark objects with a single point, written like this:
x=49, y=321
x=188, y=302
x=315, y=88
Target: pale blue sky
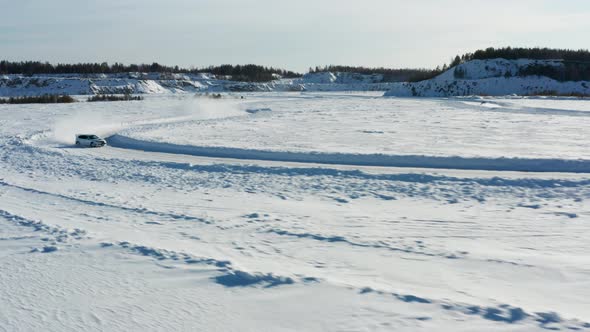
x=288, y=34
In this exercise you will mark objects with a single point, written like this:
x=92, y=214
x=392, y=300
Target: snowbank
x=415, y=161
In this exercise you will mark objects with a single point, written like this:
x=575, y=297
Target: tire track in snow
x=384, y=186
x=227, y=275
x=101, y=204
x=502, y=313
x=58, y=235
x=341, y=239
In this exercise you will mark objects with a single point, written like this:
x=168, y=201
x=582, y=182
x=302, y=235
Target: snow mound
x=480, y=69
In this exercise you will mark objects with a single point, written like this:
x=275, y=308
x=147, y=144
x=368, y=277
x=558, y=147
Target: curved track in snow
x=414, y=161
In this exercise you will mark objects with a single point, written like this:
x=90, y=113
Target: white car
x=92, y=141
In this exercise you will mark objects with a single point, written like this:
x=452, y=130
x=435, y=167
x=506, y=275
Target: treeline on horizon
x=247, y=73
x=576, y=63
x=576, y=67
x=44, y=99
x=389, y=75
x=534, y=53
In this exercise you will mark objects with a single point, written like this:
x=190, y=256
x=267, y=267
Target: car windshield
x=92, y=136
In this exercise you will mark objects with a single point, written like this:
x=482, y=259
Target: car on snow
x=89, y=140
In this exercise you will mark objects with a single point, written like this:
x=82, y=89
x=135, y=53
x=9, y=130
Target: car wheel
x=77, y=143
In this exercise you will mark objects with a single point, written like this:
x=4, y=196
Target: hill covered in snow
x=154, y=83
x=495, y=77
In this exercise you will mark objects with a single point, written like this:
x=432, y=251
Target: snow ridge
x=450, y=162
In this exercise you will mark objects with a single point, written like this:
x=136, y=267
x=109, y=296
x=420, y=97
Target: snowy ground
x=122, y=239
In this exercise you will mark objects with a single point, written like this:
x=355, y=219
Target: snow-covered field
x=289, y=212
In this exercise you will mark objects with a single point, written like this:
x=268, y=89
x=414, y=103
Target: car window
x=82, y=136
x=93, y=137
